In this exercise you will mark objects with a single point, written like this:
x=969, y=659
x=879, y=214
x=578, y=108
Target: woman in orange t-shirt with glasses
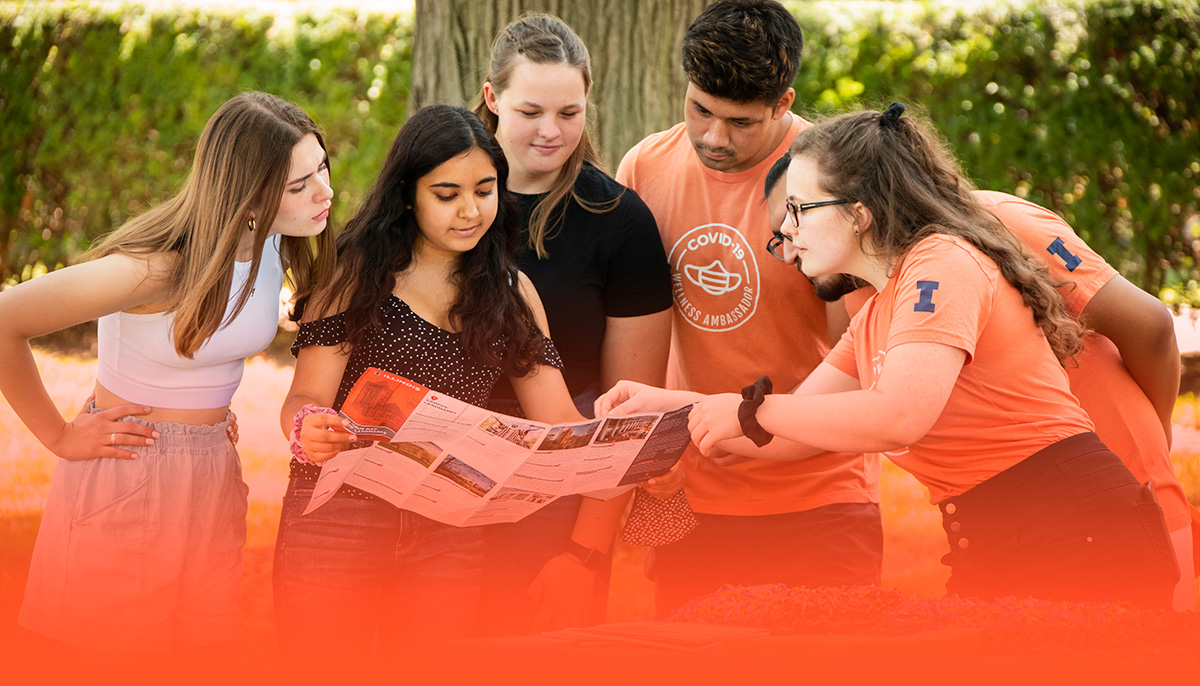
x=954, y=369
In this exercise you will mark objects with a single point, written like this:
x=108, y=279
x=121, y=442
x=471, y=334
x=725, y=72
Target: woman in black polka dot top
x=427, y=288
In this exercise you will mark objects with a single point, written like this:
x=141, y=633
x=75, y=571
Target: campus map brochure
x=465, y=465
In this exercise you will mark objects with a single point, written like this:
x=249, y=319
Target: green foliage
x=102, y=108
x=1088, y=107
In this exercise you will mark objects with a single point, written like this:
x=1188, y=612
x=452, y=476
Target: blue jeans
x=359, y=578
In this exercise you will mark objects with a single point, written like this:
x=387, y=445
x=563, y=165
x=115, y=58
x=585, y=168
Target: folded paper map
x=465, y=465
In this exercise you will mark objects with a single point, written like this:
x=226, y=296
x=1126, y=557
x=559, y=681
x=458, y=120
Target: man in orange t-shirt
x=1127, y=377
x=740, y=314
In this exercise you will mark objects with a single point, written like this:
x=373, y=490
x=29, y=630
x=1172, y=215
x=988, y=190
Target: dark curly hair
x=743, y=50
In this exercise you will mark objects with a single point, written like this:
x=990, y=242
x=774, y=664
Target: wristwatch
x=588, y=557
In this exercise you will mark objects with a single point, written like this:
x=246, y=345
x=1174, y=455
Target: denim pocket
x=1059, y=528
x=1155, y=527
x=295, y=499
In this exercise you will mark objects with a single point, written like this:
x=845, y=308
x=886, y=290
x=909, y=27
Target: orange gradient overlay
x=904, y=633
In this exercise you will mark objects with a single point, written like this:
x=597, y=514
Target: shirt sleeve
x=842, y=356
x=944, y=294
x=327, y=331
x=548, y=355
x=1048, y=238
x=638, y=280
x=625, y=170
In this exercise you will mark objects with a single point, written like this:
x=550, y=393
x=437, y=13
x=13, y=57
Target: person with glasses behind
x=1129, y=353
x=841, y=292
x=956, y=364
x=739, y=314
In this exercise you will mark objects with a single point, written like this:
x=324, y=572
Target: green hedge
x=1086, y=107
x=103, y=108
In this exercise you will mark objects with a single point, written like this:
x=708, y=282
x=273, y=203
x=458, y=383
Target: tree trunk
x=635, y=45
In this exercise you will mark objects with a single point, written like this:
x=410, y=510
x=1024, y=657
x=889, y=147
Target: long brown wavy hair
x=904, y=174
x=545, y=39
x=242, y=164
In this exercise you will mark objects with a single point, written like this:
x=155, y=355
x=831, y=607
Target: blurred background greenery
x=1088, y=107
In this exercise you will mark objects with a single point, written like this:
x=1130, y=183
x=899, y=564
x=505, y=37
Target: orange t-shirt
x=739, y=314
x=1011, y=398
x=1124, y=417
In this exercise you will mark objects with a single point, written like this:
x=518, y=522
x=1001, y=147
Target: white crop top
x=137, y=358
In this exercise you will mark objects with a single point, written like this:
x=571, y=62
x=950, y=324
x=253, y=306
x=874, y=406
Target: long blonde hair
x=544, y=39
x=903, y=173
x=242, y=164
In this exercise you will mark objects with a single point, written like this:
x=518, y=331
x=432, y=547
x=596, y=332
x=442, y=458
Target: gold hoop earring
x=250, y=223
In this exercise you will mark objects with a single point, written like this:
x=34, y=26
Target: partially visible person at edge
x=140, y=546
x=813, y=522
x=954, y=368
x=1129, y=350
x=427, y=288
x=591, y=248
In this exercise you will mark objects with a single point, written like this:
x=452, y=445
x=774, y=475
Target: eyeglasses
x=775, y=245
x=794, y=210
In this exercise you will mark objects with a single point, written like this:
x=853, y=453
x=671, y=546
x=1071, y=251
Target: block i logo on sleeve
x=925, y=302
x=1069, y=259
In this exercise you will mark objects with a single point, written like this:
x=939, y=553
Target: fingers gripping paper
x=464, y=465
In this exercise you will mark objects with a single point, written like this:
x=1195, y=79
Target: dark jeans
x=1070, y=522
x=833, y=545
x=515, y=553
x=360, y=577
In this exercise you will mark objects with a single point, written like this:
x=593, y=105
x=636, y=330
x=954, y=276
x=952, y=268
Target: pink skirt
x=142, y=555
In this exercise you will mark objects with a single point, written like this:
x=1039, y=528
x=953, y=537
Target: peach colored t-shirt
x=739, y=314
x=1011, y=398
x=1124, y=417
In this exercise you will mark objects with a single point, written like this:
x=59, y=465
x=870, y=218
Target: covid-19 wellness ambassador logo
x=714, y=277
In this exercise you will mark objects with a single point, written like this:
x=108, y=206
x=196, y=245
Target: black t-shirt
x=608, y=264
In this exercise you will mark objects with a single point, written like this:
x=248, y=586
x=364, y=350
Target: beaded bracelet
x=297, y=423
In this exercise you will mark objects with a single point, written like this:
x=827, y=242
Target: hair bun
x=890, y=119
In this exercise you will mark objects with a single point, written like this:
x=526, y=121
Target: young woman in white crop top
x=139, y=549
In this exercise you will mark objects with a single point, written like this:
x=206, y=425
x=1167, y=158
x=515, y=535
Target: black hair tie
x=890, y=119
x=753, y=396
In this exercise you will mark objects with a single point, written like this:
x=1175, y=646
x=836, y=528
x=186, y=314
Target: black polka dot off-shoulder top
x=407, y=345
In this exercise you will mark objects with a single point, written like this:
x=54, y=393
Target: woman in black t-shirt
x=593, y=251
x=427, y=288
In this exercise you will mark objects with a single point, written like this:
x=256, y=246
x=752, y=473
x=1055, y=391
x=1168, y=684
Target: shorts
x=142, y=555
